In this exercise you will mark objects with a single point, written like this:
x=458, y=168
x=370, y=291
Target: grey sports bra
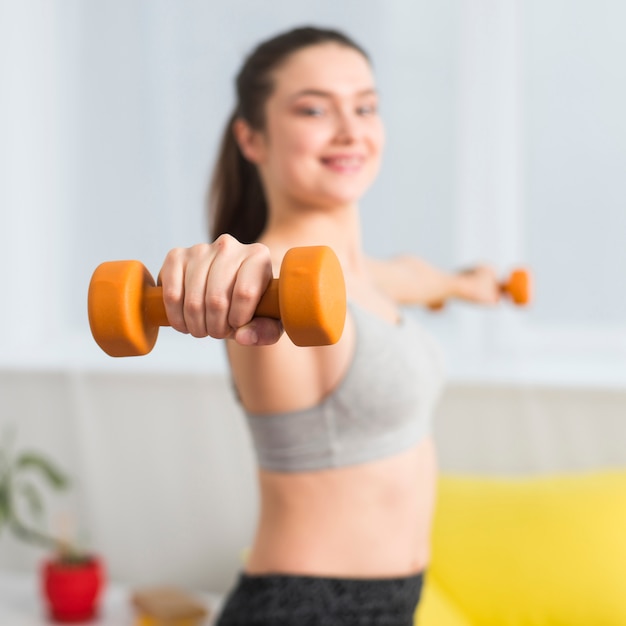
x=383, y=405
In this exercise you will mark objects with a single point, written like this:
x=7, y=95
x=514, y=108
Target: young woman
x=347, y=467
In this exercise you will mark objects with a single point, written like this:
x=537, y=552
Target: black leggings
x=289, y=600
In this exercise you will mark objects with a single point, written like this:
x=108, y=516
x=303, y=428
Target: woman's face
x=323, y=136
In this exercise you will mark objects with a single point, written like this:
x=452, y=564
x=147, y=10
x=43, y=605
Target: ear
x=250, y=141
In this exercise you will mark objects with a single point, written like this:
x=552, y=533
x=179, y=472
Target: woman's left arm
x=409, y=280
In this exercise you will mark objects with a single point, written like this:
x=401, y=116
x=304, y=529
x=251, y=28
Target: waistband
x=287, y=600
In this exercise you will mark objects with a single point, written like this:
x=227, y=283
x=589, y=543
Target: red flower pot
x=72, y=590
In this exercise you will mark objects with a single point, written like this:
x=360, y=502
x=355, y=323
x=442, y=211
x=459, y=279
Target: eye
x=311, y=111
x=367, y=109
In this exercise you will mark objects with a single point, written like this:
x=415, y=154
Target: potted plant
x=71, y=577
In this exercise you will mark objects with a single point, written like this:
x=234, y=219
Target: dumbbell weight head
x=312, y=296
x=518, y=287
x=118, y=304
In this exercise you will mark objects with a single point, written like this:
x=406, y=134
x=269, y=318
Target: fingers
x=172, y=279
x=214, y=289
x=236, y=282
x=196, y=303
x=490, y=288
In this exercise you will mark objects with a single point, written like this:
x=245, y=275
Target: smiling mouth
x=344, y=163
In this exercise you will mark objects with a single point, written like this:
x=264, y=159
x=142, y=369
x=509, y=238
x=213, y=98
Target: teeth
x=346, y=161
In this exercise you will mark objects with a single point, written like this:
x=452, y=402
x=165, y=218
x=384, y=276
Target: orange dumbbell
x=126, y=308
x=517, y=287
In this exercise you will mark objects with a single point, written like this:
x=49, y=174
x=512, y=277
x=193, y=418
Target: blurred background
x=506, y=144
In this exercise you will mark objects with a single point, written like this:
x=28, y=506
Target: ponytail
x=237, y=204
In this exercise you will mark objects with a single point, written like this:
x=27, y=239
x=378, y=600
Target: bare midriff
x=364, y=521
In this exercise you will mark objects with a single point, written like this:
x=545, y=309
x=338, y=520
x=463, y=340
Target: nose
x=348, y=127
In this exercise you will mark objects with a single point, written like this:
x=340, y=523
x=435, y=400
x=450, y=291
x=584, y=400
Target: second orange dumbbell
x=126, y=308
x=517, y=287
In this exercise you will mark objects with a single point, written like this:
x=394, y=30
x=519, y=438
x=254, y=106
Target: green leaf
x=5, y=511
x=4, y=501
x=31, y=460
x=32, y=498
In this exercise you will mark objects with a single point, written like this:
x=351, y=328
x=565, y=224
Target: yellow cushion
x=533, y=551
x=436, y=608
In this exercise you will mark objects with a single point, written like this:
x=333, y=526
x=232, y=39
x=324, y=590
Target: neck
x=337, y=227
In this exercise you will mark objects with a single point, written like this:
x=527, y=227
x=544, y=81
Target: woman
x=347, y=467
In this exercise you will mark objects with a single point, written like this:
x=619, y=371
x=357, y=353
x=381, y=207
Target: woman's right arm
x=213, y=290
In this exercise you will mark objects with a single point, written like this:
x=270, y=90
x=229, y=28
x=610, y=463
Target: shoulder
x=391, y=276
x=284, y=377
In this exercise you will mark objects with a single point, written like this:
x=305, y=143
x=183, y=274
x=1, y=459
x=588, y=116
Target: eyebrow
x=327, y=94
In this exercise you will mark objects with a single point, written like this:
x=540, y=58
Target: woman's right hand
x=213, y=289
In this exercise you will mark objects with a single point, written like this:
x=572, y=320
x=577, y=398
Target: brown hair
x=236, y=200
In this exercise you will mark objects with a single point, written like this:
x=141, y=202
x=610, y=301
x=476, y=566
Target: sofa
x=528, y=551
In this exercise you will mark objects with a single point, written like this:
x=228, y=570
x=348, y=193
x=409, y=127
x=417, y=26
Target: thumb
x=261, y=331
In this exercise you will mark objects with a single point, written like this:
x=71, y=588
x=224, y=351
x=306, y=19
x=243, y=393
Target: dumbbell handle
x=154, y=307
